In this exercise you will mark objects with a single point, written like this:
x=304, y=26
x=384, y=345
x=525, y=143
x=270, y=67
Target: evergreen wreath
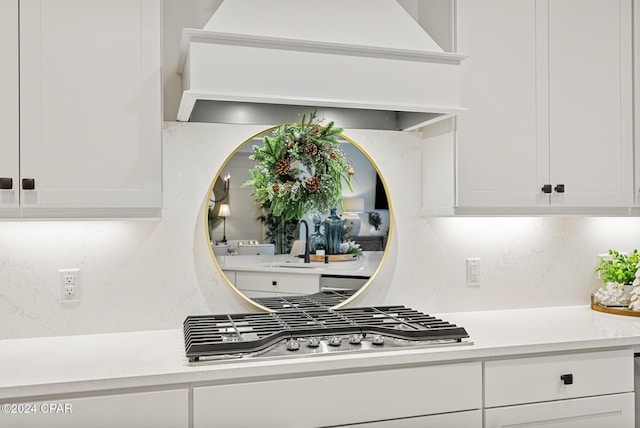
x=300, y=169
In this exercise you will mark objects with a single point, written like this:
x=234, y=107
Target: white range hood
x=361, y=55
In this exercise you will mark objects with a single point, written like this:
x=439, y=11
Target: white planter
x=614, y=294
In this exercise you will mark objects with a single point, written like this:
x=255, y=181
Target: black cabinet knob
x=6, y=183
x=559, y=188
x=567, y=379
x=28, y=183
x=274, y=283
x=546, y=188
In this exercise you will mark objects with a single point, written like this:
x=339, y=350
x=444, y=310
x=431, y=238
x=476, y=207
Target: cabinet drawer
x=340, y=399
x=529, y=380
x=591, y=412
x=278, y=282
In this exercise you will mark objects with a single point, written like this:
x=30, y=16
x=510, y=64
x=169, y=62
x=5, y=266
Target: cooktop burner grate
x=325, y=299
x=232, y=334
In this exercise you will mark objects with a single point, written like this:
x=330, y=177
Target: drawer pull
x=6, y=183
x=559, y=188
x=28, y=184
x=274, y=283
x=567, y=379
x=546, y=188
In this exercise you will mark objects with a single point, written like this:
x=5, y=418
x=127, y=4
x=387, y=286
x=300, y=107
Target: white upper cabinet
x=636, y=57
x=90, y=108
x=548, y=85
x=9, y=121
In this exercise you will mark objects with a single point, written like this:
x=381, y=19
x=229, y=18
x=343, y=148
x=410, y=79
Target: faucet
x=307, y=259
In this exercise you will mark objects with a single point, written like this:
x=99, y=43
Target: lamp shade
x=353, y=205
x=224, y=210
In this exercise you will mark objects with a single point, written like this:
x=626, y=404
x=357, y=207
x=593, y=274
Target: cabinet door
x=9, y=158
x=158, y=409
x=636, y=79
x=549, y=91
x=590, y=102
x=90, y=106
x=499, y=159
x=595, y=412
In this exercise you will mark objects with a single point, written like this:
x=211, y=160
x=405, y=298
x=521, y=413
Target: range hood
x=257, y=58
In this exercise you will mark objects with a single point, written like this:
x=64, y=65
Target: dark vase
x=333, y=227
x=316, y=240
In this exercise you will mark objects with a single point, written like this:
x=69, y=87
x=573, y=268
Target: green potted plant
x=617, y=271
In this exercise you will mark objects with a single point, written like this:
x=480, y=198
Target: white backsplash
x=151, y=274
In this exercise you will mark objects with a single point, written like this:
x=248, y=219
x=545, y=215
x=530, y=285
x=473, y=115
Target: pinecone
x=275, y=187
x=283, y=167
x=350, y=171
x=287, y=186
x=333, y=155
x=310, y=149
x=312, y=184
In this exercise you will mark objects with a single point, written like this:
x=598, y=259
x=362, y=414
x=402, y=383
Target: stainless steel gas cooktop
x=306, y=331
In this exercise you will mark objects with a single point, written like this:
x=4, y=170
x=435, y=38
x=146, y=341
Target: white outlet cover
x=69, y=284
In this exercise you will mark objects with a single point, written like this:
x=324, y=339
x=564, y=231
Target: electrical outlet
x=473, y=271
x=69, y=285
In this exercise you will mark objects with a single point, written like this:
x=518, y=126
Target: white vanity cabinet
x=151, y=409
x=571, y=390
x=264, y=284
x=452, y=391
x=90, y=137
x=548, y=85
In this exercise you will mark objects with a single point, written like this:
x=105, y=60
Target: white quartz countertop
x=72, y=364
x=363, y=266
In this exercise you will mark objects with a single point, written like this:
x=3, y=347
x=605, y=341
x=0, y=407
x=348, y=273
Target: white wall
x=140, y=275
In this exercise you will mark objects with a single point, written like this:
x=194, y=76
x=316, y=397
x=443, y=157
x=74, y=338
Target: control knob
x=335, y=340
x=313, y=342
x=293, y=345
x=355, y=339
x=377, y=340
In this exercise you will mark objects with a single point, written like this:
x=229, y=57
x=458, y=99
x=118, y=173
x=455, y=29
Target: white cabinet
x=595, y=412
x=9, y=120
x=347, y=398
x=636, y=78
x=548, y=85
x=155, y=409
x=572, y=390
x=90, y=110
x=265, y=284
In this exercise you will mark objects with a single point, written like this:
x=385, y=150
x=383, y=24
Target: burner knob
x=335, y=340
x=377, y=340
x=355, y=339
x=313, y=342
x=293, y=345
